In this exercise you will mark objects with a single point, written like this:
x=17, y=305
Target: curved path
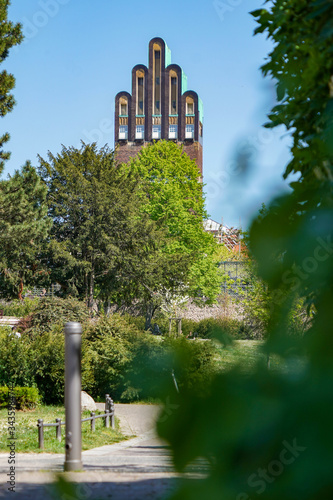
x=139, y=468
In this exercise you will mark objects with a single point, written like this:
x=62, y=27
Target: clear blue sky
x=79, y=53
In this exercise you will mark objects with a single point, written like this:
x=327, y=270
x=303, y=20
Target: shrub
x=188, y=326
x=206, y=327
x=48, y=364
x=54, y=310
x=137, y=321
x=107, y=350
x=193, y=363
x=210, y=328
x=26, y=397
x=19, y=308
x=147, y=369
x=15, y=359
x=159, y=364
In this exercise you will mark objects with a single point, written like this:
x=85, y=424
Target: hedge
x=26, y=397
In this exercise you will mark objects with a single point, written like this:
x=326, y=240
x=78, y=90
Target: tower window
x=190, y=108
x=157, y=79
x=140, y=108
x=140, y=132
x=123, y=132
x=173, y=131
x=173, y=94
x=189, y=132
x=156, y=132
x=123, y=107
x=140, y=103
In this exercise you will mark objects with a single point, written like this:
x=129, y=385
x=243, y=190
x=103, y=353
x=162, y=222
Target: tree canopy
x=173, y=198
x=23, y=227
x=10, y=35
x=100, y=242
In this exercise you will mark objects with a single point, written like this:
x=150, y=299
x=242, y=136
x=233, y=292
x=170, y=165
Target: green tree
x=269, y=435
x=23, y=227
x=10, y=35
x=174, y=200
x=100, y=244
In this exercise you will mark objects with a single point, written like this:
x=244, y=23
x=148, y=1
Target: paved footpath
x=138, y=468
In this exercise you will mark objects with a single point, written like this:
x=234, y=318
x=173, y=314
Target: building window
x=140, y=100
x=189, y=132
x=190, y=107
x=173, y=96
x=156, y=132
x=140, y=108
x=123, y=132
x=140, y=132
x=173, y=131
x=123, y=108
x=157, y=79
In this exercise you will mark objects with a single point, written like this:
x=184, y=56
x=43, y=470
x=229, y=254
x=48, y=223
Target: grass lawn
x=246, y=353
x=27, y=431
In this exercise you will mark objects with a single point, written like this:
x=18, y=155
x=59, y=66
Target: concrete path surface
x=138, y=468
x=135, y=419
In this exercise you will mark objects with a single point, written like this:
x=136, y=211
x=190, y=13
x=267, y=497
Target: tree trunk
x=91, y=289
x=20, y=290
x=150, y=309
x=107, y=307
x=86, y=287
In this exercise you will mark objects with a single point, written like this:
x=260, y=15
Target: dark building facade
x=159, y=107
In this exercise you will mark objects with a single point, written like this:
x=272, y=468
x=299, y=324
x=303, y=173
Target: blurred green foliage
x=268, y=434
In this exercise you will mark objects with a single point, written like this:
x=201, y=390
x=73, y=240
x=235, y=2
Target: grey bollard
x=73, y=445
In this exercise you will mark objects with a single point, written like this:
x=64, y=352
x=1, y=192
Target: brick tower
x=160, y=107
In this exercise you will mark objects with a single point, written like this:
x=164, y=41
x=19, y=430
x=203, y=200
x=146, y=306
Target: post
x=179, y=321
x=40, y=434
x=73, y=446
x=112, y=414
x=92, y=421
x=58, y=429
x=107, y=411
x=170, y=320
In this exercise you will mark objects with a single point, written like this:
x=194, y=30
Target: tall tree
x=100, y=242
x=23, y=227
x=10, y=35
x=174, y=200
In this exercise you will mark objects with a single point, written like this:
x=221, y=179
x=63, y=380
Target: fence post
x=112, y=414
x=40, y=433
x=73, y=460
x=92, y=421
x=58, y=429
x=107, y=411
